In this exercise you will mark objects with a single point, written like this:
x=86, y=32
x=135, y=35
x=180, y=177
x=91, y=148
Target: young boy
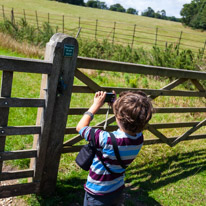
x=132, y=110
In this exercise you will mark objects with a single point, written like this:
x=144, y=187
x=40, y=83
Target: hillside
x=115, y=26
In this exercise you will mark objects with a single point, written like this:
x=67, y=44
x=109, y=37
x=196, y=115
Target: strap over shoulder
x=116, y=151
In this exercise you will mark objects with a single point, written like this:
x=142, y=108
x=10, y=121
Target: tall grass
x=26, y=49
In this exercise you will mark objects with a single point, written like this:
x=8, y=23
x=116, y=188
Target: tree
x=149, y=12
x=158, y=15
x=93, y=4
x=102, y=5
x=117, y=7
x=76, y=2
x=163, y=14
x=132, y=11
x=96, y=4
x=194, y=14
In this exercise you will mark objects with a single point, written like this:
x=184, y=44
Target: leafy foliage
x=170, y=56
x=22, y=31
x=76, y=2
x=194, y=14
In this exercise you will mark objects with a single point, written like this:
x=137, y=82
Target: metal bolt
x=2, y=131
x=5, y=103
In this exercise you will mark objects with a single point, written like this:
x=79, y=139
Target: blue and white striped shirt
x=99, y=180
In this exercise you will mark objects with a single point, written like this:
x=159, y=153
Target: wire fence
x=114, y=32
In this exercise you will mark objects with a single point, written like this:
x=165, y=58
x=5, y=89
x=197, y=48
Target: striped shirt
x=99, y=180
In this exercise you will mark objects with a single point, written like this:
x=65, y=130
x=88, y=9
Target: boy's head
x=133, y=110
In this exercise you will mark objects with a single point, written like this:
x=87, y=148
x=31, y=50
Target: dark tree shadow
x=186, y=165
x=70, y=191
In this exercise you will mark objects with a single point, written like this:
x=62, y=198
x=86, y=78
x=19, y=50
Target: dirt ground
x=10, y=201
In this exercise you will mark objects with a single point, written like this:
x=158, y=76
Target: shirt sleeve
x=100, y=136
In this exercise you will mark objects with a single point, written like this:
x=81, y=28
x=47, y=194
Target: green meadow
x=160, y=175
x=75, y=16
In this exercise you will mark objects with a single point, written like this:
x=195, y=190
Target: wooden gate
x=60, y=67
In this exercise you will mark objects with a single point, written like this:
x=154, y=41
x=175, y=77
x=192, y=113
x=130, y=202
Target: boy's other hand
x=99, y=98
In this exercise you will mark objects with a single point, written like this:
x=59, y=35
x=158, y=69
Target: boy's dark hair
x=133, y=110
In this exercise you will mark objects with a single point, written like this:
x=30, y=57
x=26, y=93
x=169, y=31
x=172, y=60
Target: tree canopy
x=76, y=2
x=194, y=14
x=117, y=7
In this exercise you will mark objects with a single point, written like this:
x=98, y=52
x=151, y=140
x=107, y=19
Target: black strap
x=94, y=146
x=116, y=150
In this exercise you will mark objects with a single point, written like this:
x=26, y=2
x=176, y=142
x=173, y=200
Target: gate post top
x=57, y=41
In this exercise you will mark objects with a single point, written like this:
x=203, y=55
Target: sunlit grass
x=159, y=175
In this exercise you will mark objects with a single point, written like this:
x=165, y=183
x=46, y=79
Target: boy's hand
x=99, y=98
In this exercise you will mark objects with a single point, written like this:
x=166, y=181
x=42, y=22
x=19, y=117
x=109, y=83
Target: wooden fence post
x=63, y=50
x=96, y=29
x=79, y=21
x=48, y=18
x=6, y=87
x=37, y=22
x=203, y=50
x=133, y=36
x=62, y=23
x=113, y=32
x=24, y=14
x=12, y=16
x=156, y=36
x=180, y=38
x=3, y=12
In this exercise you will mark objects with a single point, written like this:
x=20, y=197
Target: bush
x=171, y=56
x=22, y=31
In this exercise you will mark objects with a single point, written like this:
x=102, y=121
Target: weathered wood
x=20, y=102
x=11, y=175
x=189, y=132
x=170, y=86
x=155, y=92
x=171, y=139
x=71, y=149
x=198, y=85
x=18, y=154
x=77, y=138
x=53, y=54
x=47, y=57
x=158, y=134
x=18, y=189
x=106, y=65
x=25, y=65
x=91, y=84
x=66, y=65
x=72, y=130
x=80, y=111
x=180, y=110
x=173, y=125
x=20, y=130
x=6, y=87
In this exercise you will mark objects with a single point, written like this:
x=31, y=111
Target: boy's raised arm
x=88, y=116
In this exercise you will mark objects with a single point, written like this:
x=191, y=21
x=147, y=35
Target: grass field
x=160, y=175
x=168, y=31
